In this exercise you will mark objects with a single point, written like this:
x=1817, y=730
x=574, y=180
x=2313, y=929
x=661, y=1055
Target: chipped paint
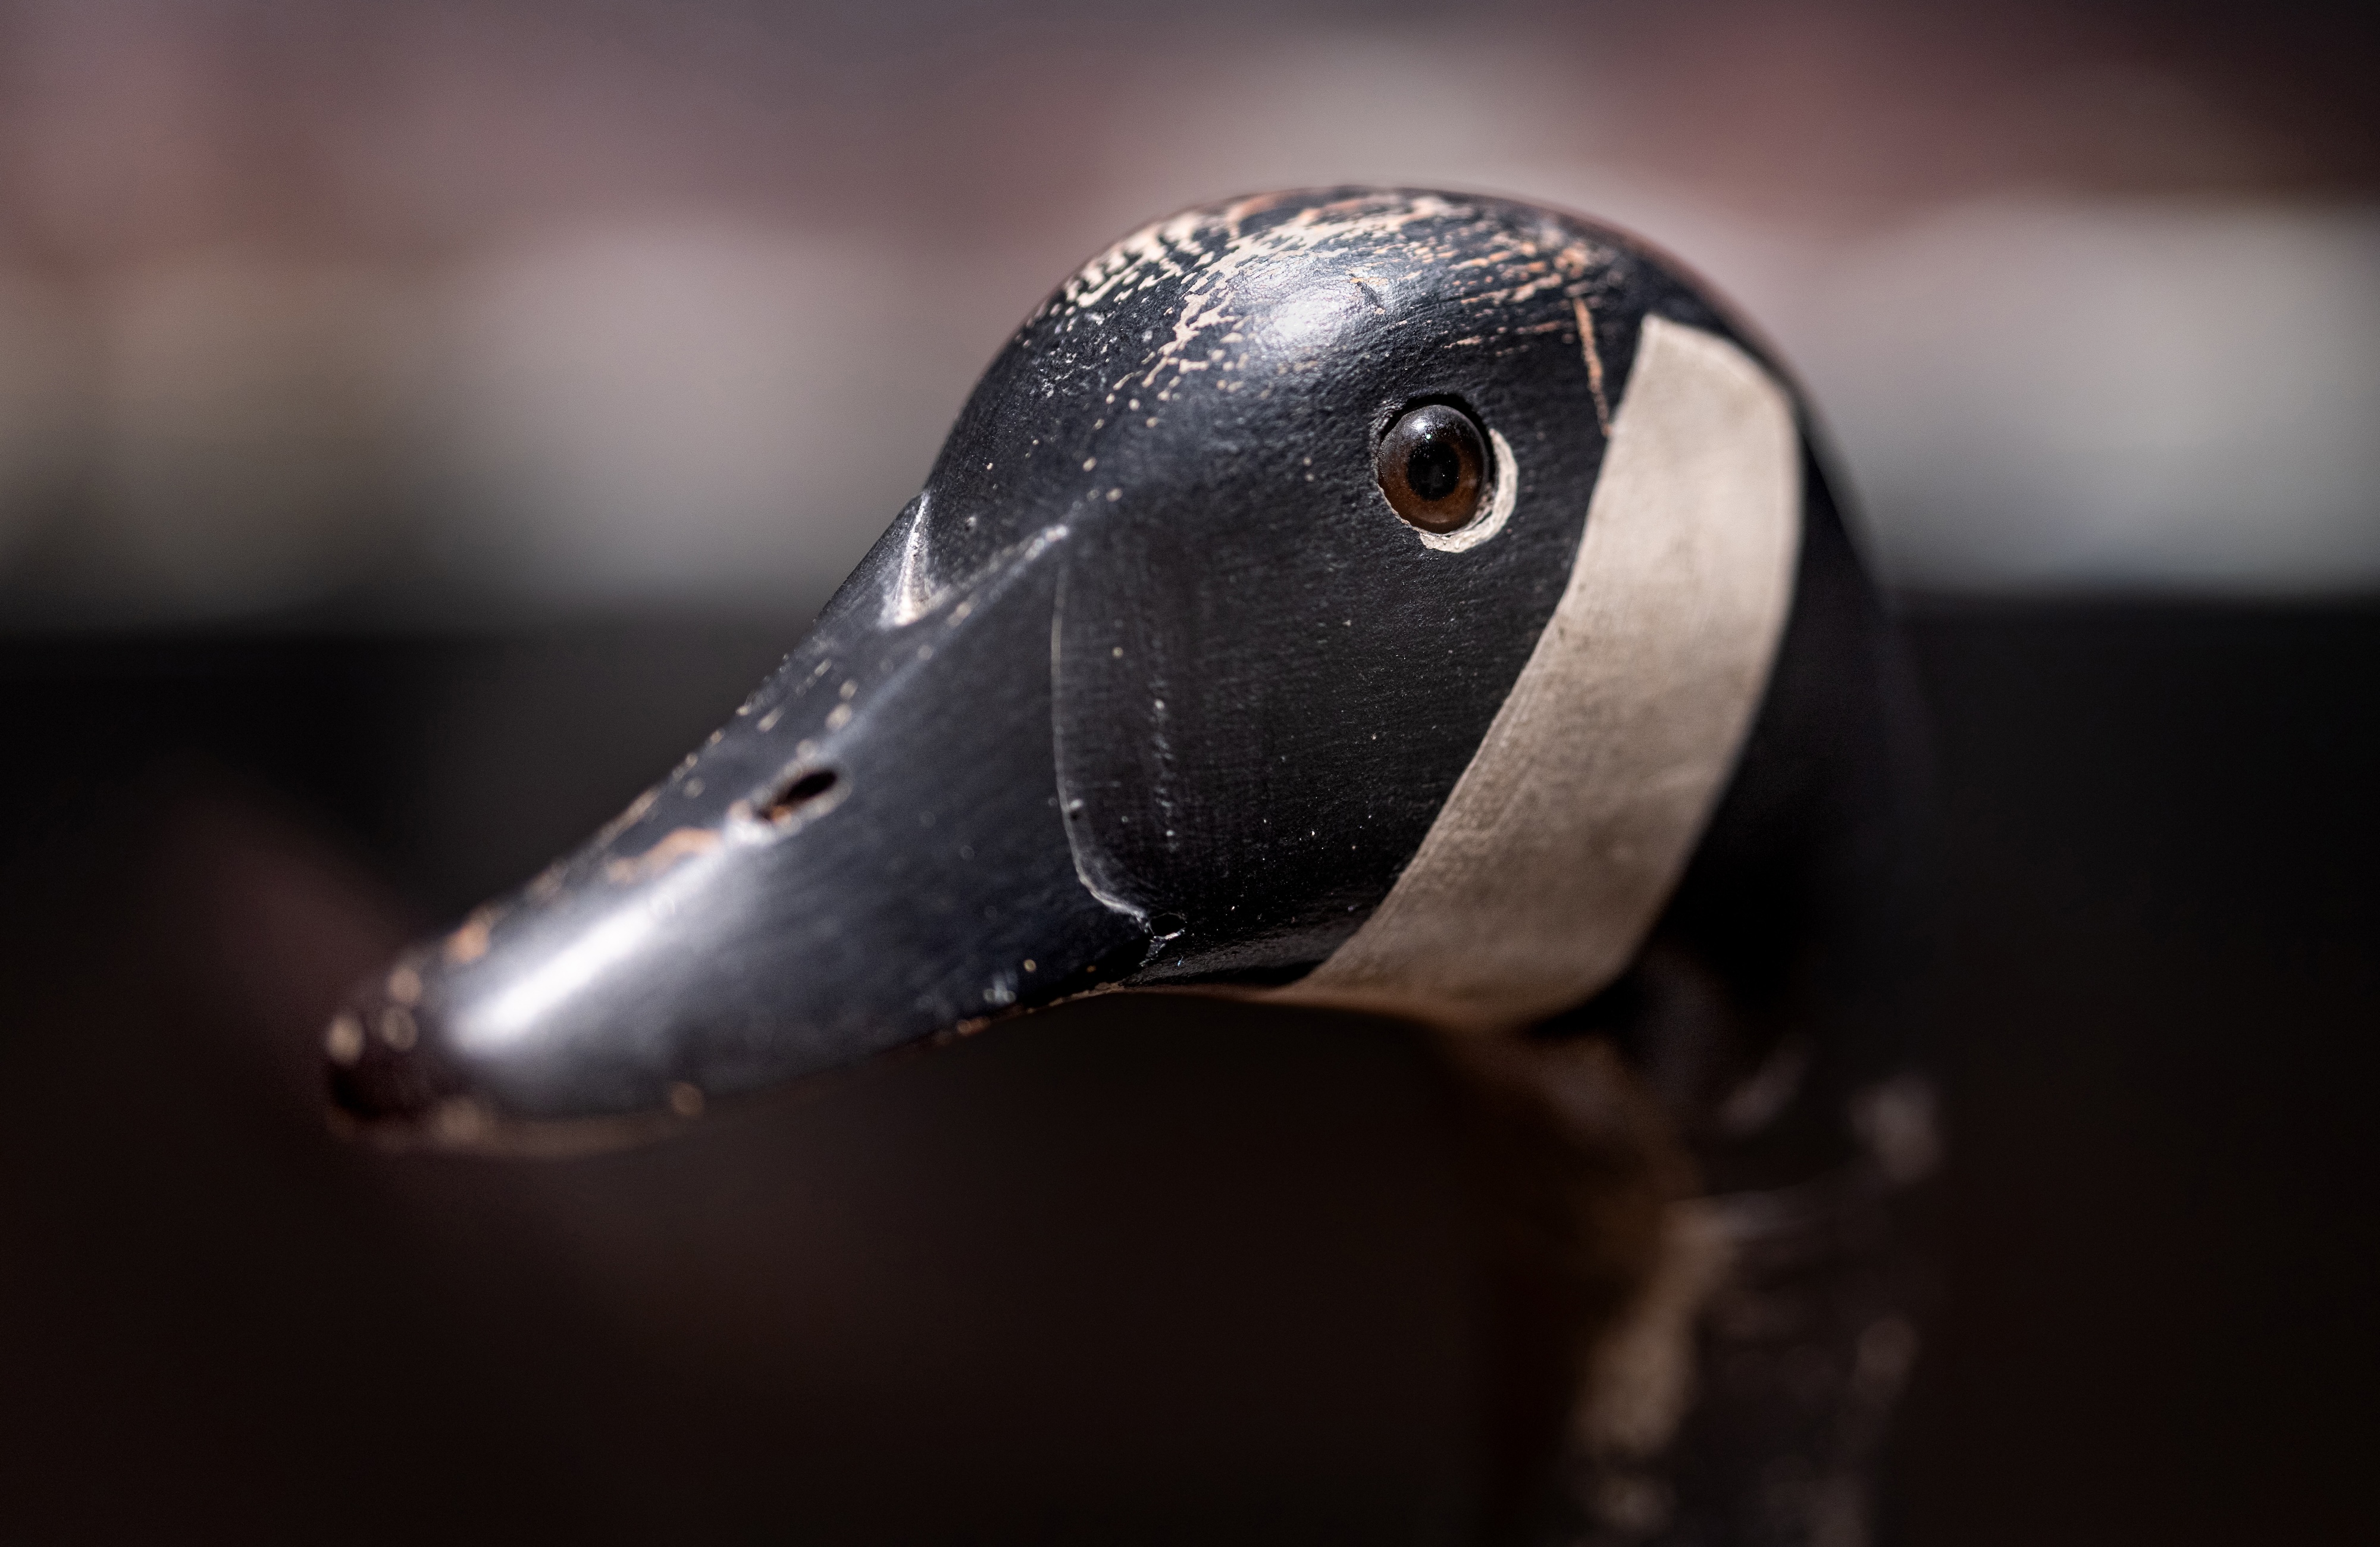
x=1211, y=250
x=680, y=845
x=469, y=943
x=1593, y=362
x=630, y=817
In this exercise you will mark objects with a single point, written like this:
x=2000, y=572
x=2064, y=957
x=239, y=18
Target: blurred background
x=420, y=421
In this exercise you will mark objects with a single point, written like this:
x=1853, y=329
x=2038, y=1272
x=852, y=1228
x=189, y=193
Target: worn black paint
x=1150, y=626
x=1150, y=684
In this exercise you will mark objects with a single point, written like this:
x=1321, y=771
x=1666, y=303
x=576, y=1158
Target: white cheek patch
x=1566, y=834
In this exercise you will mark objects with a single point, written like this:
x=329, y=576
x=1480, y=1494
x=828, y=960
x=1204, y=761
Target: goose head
x=1359, y=596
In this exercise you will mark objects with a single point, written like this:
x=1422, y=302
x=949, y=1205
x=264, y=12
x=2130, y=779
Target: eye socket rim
x=1483, y=457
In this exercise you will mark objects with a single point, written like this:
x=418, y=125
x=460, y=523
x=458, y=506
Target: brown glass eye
x=1433, y=466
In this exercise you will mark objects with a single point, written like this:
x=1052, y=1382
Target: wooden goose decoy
x=1413, y=602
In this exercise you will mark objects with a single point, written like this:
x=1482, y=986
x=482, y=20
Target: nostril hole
x=798, y=792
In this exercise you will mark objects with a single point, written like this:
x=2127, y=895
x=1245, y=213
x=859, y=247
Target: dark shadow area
x=1147, y=1270
x=2158, y=1010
